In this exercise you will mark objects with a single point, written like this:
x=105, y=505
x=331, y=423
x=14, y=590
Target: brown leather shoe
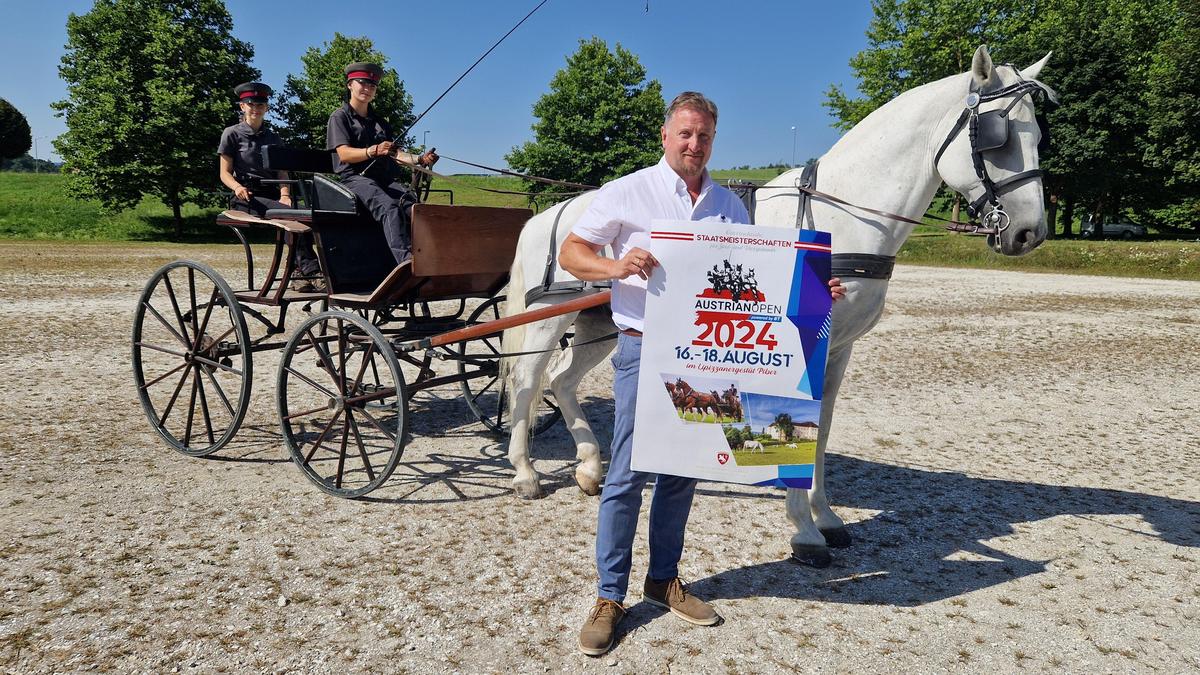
x=596, y=636
x=672, y=594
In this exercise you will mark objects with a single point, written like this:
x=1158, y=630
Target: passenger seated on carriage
x=368, y=162
x=242, y=169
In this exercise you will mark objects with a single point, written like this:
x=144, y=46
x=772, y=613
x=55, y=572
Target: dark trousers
x=390, y=206
x=304, y=258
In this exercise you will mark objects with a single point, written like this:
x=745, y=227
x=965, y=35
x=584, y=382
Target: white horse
x=752, y=446
x=892, y=161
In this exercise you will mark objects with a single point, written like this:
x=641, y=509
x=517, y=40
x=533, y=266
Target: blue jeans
x=621, y=499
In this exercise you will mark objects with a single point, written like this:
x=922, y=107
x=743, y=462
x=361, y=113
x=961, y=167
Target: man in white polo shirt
x=677, y=188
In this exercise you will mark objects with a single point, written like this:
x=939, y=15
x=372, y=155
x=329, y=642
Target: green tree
x=600, y=120
x=733, y=437
x=149, y=86
x=1172, y=142
x=785, y=424
x=911, y=42
x=1104, y=157
x=307, y=99
x=15, y=137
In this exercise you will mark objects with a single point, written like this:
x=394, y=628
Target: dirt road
x=1018, y=457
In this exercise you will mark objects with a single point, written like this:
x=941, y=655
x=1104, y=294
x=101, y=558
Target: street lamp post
x=36, y=165
x=793, y=146
x=425, y=140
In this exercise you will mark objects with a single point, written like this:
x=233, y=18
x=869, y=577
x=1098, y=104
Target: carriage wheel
x=486, y=396
x=342, y=403
x=191, y=357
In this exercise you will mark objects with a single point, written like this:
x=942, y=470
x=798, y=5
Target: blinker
x=991, y=130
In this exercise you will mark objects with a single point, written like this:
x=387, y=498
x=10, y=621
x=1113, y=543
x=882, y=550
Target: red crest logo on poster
x=722, y=457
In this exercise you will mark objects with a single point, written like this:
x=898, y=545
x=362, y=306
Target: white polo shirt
x=620, y=215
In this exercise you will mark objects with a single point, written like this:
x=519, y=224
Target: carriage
x=377, y=334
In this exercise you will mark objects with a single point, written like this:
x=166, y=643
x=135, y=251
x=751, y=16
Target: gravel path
x=1018, y=457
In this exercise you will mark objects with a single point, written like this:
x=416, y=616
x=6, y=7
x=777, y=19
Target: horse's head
x=990, y=156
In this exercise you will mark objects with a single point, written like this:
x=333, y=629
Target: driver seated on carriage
x=368, y=161
x=242, y=171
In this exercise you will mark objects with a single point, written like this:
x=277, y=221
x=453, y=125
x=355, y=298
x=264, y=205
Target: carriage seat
x=321, y=195
x=234, y=218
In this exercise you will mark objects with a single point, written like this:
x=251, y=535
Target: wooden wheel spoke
x=321, y=438
x=216, y=364
x=192, y=300
x=187, y=438
x=171, y=404
x=482, y=391
x=220, y=392
x=362, y=449
x=169, y=327
x=207, y=314
x=175, y=306
x=164, y=350
x=341, y=371
x=160, y=378
x=375, y=423
x=226, y=334
x=368, y=358
x=488, y=343
x=310, y=382
x=342, y=453
x=208, y=427
x=328, y=365
x=305, y=413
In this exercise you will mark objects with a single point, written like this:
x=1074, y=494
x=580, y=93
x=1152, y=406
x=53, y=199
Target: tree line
x=1126, y=137
x=150, y=88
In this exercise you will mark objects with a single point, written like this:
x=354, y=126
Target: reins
x=953, y=226
x=404, y=134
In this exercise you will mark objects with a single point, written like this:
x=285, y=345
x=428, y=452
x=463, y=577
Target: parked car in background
x=1124, y=229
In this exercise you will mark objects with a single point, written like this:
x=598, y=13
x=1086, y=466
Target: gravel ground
x=1017, y=455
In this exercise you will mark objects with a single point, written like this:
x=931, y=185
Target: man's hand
x=286, y=200
x=836, y=289
x=638, y=261
x=242, y=193
x=382, y=149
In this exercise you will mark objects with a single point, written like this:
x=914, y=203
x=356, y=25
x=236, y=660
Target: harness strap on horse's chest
x=856, y=265
x=548, y=285
x=862, y=265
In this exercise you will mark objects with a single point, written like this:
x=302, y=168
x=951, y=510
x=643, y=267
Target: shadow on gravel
x=483, y=473
x=899, y=555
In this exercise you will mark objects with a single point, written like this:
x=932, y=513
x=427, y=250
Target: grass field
x=775, y=454
x=36, y=206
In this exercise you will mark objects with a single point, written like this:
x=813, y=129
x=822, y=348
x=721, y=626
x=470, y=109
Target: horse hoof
x=589, y=485
x=528, y=490
x=836, y=537
x=813, y=556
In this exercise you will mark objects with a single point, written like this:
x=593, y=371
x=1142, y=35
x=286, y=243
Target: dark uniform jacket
x=347, y=127
x=242, y=144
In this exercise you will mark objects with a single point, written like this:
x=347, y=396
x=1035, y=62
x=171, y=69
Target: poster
x=733, y=358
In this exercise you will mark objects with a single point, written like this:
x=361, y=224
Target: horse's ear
x=1032, y=72
x=982, y=69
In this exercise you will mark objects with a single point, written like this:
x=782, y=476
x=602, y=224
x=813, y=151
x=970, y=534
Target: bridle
x=989, y=131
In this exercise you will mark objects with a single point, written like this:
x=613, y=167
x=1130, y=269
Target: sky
x=766, y=64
